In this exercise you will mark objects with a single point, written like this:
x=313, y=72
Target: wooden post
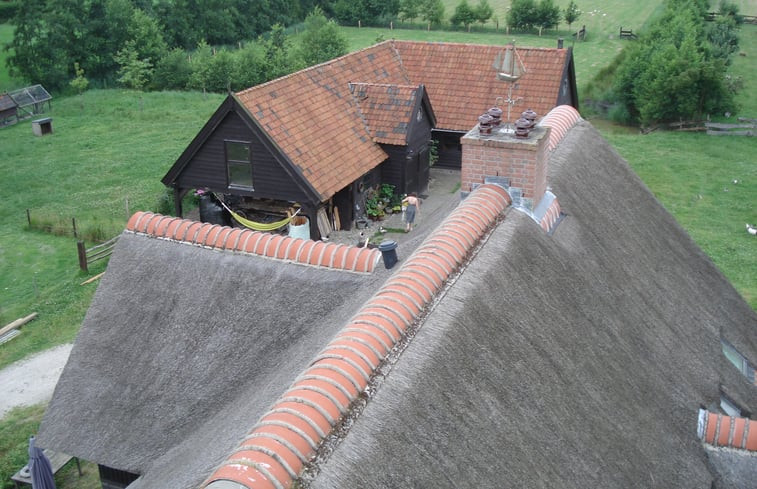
x=127, y=207
x=359, y=24
x=29, y=217
x=391, y=25
x=73, y=223
x=82, y=255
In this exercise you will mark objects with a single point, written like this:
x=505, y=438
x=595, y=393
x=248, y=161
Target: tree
x=483, y=12
x=321, y=40
x=80, y=83
x=572, y=13
x=670, y=73
x=409, y=9
x=432, y=11
x=464, y=15
x=133, y=73
x=547, y=15
x=172, y=71
x=522, y=14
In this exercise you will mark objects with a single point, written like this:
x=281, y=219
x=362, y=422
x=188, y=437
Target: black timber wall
x=208, y=166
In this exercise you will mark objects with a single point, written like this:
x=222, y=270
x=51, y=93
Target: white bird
x=751, y=230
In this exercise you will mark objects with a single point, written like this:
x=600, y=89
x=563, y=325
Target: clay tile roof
x=311, y=113
x=318, y=399
x=274, y=246
x=462, y=84
x=388, y=109
x=560, y=120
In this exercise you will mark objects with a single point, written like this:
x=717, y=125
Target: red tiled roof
x=388, y=109
x=286, y=248
x=286, y=437
x=720, y=430
x=314, y=119
x=462, y=84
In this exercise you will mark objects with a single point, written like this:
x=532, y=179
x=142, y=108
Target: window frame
x=234, y=162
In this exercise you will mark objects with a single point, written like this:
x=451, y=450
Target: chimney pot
x=530, y=116
x=496, y=114
x=485, y=124
x=522, y=127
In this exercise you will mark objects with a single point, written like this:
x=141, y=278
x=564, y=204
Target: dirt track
x=32, y=380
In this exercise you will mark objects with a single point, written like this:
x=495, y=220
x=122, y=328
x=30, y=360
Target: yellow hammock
x=259, y=226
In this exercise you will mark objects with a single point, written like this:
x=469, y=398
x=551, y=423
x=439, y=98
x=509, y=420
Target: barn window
x=239, y=164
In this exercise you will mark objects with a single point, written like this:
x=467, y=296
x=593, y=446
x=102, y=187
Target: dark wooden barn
x=314, y=139
x=322, y=136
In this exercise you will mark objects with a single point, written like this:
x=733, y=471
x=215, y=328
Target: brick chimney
x=501, y=154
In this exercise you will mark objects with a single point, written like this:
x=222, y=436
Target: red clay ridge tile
x=560, y=120
x=275, y=246
x=304, y=415
x=720, y=430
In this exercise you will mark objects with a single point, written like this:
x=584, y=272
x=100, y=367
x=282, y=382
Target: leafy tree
x=464, y=14
x=670, y=73
x=572, y=13
x=547, y=15
x=172, y=71
x=80, y=83
x=483, y=12
x=432, y=11
x=147, y=38
x=409, y=9
x=133, y=73
x=321, y=40
x=522, y=14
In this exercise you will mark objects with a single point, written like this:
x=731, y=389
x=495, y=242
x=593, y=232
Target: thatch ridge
x=576, y=360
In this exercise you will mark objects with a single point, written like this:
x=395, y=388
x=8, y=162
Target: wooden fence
x=748, y=127
x=90, y=255
x=581, y=34
x=745, y=127
x=627, y=34
x=748, y=19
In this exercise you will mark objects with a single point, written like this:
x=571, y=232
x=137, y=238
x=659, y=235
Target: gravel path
x=32, y=380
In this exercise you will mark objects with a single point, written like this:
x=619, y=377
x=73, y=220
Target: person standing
x=413, y=204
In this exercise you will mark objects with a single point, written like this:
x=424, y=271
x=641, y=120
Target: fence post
x=73, y=223
x=82, y=255
x=29, y=217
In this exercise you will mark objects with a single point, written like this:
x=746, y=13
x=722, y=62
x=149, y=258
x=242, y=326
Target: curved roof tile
x=274, y=453
x=275, y=246
x=720, y=430
x=560, y=119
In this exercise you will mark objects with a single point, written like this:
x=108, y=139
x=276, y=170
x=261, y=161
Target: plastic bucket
x=299, y=227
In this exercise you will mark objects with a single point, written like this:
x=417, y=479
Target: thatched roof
x=576, y=360
x=181, y=351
